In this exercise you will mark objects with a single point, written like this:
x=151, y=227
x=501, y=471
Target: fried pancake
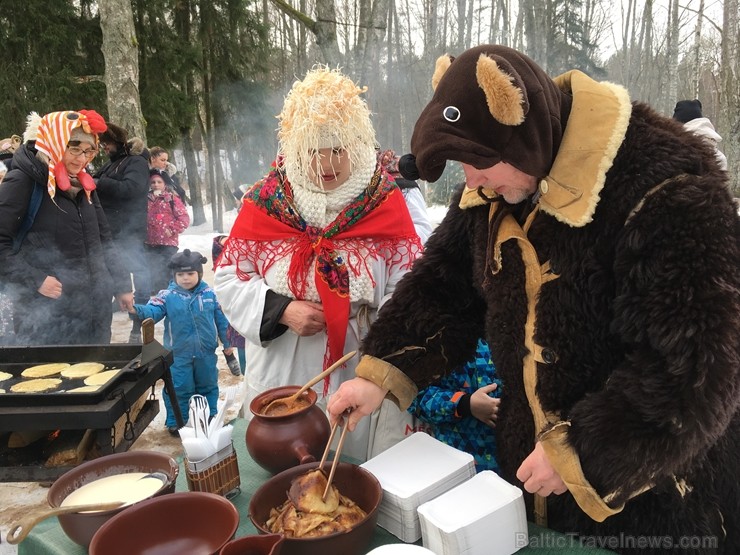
x=101, y=377
x=5, y=376
x=306, y=492
x=84, y=389
x=82, y=370
x=35, y=386
x=44, y=370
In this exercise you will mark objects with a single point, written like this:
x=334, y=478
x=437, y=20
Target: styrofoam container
x=400, y=549
x=482, y=516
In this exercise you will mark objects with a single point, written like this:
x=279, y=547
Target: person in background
x=462, y=408
x=411, y=194
x=194, y=323
x=318, y=246
x=7, y=149
x=689, y=113
x=123, y=185
x=596, y=250
x=167, y=218
x=62, y=267
x=237, y=366
x=159, y=159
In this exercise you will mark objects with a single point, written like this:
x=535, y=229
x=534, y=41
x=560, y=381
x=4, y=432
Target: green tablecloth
x=47, y=538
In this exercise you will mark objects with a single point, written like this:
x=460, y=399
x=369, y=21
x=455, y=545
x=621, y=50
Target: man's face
x=160, y=162
x=109, y=148
x=502, y=178
x=186, y=280
x=330, y=168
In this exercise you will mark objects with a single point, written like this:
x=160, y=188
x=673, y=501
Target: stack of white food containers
x=412, y=472
x=483, y=516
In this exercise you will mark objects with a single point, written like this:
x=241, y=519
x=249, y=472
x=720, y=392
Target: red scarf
x=268, y=223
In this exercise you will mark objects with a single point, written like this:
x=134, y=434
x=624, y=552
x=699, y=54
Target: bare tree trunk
x=324, y=27
x=672, y=57
x=121, y=66
x=729, y=100
x=696, y=69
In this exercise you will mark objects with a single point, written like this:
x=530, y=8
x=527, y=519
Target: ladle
x=21, y=529
x=288, y=402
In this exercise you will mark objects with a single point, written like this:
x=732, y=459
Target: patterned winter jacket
x=446, y=406
x=167, y=217
x=194, y=321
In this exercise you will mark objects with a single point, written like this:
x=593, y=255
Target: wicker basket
x=218, y=473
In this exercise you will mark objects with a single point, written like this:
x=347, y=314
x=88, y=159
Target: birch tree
x=121, y=65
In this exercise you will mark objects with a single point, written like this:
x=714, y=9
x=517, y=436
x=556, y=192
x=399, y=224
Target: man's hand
x=304, y=318
x=538, y=475
x=358, y=395
x=126, y=302
x=51, y=287
x=483, y=407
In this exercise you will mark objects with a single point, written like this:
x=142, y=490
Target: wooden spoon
x=286, y=403
x=21, y=529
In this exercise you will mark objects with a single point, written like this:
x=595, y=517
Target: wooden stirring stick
x=328, y=445
x=335, y=462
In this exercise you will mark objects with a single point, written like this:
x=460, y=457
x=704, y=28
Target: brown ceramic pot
x=183, y=523
x=352, y=481
x=80, y=527
x=277, y=443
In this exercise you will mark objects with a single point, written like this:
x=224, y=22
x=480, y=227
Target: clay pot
x=80, y=527
x=182, y=523
x=269, y=544
x=277, y=443
x=352, y=481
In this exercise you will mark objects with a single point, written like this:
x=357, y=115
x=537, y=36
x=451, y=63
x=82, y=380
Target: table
x=47, y=538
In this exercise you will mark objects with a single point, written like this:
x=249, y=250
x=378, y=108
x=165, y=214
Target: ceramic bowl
x=80, y=527
x=192, y=522
x=352, y=481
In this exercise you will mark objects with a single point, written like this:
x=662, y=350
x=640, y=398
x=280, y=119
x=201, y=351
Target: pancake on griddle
x=35, y=386
x=101, y=377
x=45, y=370
x=5, y=376
x=82, y=370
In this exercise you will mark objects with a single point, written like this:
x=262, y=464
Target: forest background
x=206, y=78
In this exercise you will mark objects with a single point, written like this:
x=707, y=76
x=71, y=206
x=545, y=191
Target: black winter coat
x=123, y=185
x=69, y=240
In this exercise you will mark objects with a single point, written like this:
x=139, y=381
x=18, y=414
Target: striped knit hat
x=52, y=134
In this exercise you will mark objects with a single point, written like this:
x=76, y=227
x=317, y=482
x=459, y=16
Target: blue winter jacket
x=446, y=406
x=193, y=322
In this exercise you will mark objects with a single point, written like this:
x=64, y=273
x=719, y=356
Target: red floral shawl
x=271, y=228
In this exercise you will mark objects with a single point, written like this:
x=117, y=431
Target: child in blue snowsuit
x=193, y=324
x=463, y=406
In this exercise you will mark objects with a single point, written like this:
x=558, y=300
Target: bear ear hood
x=490, y=104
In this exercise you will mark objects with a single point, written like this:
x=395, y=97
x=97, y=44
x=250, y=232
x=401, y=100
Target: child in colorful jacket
x=194, y=323
x=463, y=408
x=167, y=218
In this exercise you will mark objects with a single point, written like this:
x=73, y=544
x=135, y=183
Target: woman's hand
x=304, y=318
x=51, y=287
x=483, y=407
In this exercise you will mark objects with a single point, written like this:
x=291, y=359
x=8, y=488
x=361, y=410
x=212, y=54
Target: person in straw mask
x=319, y=245
x=56, y=251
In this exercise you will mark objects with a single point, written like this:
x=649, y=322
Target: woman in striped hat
x=56, y=252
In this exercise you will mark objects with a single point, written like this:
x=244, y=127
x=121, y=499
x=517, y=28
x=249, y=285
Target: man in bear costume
x=595, y=247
